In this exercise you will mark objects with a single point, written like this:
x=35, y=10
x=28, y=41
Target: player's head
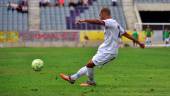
x=105, y=13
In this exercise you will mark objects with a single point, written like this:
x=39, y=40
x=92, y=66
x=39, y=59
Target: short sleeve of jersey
x=109, y=23
x=121, y=30
x=114, y=24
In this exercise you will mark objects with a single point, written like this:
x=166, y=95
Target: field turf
x=135, y=72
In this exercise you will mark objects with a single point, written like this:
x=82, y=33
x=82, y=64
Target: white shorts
x=148, y=38
x=167, y=39
x=102, y=58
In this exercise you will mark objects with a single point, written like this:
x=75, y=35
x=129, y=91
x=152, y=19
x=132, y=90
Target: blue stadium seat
x=58, y=18
x=12, y=20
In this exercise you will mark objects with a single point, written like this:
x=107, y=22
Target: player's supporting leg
x=90, y=72
x=146, y=41
x=150, y=42
x=167, y=42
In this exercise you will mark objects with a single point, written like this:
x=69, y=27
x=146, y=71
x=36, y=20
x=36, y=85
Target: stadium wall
x=153, y=7
x=77, y=38
x=34, y=15
x=129, y=11
x=51, y=39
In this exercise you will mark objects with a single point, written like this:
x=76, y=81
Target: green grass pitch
x=135, y=72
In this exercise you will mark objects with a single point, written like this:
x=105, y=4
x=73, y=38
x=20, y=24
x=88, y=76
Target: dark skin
x=103, y=16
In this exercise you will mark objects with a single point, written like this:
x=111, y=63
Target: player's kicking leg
x=67, y=78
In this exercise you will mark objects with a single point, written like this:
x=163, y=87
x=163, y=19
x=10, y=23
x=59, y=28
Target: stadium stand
x=63, y=18
x=11, y=20
x=58, y=18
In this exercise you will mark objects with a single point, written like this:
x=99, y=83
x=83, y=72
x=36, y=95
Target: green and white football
x=37, y=64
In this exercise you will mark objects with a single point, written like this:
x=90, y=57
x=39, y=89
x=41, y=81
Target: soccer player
x=107, y=51
x=166, y=35
x=148, y=32
x=135, y=36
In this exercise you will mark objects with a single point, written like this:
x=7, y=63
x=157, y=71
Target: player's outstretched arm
x=91, y=21
x=131, y=38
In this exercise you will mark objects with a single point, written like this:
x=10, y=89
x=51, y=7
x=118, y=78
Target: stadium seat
x=59, y=18
x=93, y=11
x=12, y=20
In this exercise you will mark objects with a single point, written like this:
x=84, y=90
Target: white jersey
x=112, y=33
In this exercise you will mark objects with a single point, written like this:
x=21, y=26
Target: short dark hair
x=107, y=10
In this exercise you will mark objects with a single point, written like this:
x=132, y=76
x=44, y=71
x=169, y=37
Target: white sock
x=80, y=73
x=90, y=74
